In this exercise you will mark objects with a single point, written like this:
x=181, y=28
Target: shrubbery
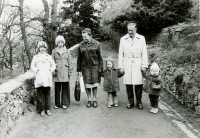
x=153, y=15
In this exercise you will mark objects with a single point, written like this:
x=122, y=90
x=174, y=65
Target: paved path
x=80, y=122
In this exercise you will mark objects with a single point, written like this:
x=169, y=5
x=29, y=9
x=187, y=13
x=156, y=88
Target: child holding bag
x=153, y=85
x=111, y=83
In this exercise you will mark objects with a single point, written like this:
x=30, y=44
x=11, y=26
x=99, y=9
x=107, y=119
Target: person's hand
x=121, y=70
x=143, y=69
x=79, y=74
x=155, y=86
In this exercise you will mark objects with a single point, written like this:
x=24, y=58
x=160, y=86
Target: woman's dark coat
x=90, y=61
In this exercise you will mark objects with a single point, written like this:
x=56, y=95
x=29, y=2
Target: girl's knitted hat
x=60, y=38
x=42, y=43
x=154, y=66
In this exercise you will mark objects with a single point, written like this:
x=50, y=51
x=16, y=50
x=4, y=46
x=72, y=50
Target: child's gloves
x=156, y=86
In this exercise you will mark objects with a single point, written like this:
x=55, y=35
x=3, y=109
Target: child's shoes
x=152, y=110
x=155, y=111
x=48, y=112
x=55, y=107
x=42, y=113
x=109, y=106
x=116, y=105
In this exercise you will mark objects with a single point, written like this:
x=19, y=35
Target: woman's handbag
x=77, y=90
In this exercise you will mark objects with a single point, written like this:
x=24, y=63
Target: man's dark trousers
x=138, y=93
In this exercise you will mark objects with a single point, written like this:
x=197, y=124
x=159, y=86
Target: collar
x=58, y=49
x=136, y=36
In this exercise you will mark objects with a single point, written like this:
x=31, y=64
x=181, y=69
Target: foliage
x=81, y=12
x=114, y=36
x=152, y=15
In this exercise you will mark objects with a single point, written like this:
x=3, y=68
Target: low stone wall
x=15, y=96
x=179, y=81
x=182, y=81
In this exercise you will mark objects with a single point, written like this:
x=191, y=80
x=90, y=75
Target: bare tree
x=23, y=30
x=1, y=6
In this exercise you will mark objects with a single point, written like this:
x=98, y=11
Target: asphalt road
x=78, y=121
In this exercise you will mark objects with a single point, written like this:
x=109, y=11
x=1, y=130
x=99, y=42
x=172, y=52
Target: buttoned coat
x=90, y=61
x=132, y=57
x=63, y=65
x=43, y=65
x=150, y=82
x=111, y=82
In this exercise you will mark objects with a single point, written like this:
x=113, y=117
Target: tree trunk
x=1, y=6
x=54, y=21
x=24, y=36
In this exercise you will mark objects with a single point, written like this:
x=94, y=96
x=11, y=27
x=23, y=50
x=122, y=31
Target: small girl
x=111, y=83
x=153, y=85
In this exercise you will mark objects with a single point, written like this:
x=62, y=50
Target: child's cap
x=60, y=38
x=154, y=66
x=42, y=43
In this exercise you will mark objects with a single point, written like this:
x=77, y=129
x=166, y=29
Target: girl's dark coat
x=111, y=83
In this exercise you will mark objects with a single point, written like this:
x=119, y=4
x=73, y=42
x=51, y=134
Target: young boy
x=153, y=85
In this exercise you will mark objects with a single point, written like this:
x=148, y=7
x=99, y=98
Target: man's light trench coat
x=132, y=57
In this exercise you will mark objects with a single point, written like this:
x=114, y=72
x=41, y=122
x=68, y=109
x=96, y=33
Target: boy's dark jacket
x=150, y=82
x=111, y=83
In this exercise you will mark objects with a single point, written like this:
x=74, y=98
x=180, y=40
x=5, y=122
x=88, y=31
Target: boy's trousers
x=154, y=100
x=63, y=89
x=43, y=99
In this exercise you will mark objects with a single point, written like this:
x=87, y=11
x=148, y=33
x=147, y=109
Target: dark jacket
x=150, y=82
x=111, y=83
x=90, y=61
x=63, y=65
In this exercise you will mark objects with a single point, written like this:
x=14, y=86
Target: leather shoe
x=95, y=104
x=129, y=105
x=89, y=104
x=139, y=106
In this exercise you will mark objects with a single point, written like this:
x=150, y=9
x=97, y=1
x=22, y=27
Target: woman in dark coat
x=90, y=63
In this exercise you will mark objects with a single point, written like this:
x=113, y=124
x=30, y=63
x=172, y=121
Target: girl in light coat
x=43, y=65
x=62, y=58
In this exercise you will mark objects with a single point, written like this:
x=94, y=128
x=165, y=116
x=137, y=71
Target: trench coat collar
x=58, y=50
x=137, y=37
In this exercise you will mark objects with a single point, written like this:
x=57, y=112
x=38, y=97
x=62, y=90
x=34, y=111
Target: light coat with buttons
x=63, y=62
x=43, y=65
x=132, y=57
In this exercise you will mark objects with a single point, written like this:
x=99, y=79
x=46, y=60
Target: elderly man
x=90, y=63
x=132, y=59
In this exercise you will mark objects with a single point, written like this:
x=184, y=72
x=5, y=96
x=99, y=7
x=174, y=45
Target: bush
x=114, y=36
x=153, y=15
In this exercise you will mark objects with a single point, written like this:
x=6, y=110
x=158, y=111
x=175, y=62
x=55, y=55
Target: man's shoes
x=48, y=112
x=129, y=105
x=152, y=109
x=95, y=104
x=139, y=106
x=116, y=105
x=89, y=104
x=42, y=114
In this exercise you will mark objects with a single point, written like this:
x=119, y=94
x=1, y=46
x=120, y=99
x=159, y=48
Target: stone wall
x=15, y=96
